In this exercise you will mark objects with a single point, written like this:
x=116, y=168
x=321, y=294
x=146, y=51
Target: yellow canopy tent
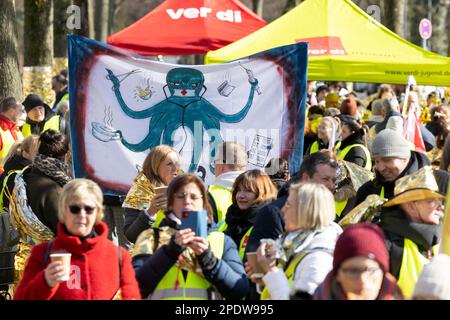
x=345, y=44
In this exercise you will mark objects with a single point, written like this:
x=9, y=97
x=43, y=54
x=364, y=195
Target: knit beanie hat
x=349, y=107
x=389, y=143
x=434, y=281
x=32, y=101
x=361, y=240
x=332, y=100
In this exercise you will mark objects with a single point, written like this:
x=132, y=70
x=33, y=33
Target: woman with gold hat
x=144, y=208
x=411, y=222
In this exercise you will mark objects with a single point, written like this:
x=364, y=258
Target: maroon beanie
x=349, y=107
x=363, y=239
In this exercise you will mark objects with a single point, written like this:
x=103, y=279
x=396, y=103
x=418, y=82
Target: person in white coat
x=305, y=251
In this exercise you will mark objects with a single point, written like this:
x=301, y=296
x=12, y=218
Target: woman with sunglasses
x=360, y=268
x=144, y=207
x=172, y=262
x=99, y=270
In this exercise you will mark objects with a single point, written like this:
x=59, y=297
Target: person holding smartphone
x=146, y=200
x=173, y=262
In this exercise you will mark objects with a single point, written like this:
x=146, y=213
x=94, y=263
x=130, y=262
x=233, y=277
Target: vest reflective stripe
x=341, y=155
x=315, y=147
x=2, y=192
x=159, y=218
x=412, y=264
x=340, y=206
x=243, y=243
x=195, y=286
x=52, y=123
x=289, y=272
x=222, y=198
x=8, y=141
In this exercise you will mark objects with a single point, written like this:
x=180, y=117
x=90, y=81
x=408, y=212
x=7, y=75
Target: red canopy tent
x=179, y=27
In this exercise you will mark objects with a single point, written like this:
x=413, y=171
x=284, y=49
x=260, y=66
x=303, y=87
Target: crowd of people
x=360, y=219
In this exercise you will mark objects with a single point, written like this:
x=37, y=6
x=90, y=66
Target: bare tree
x=394, y=15
x=258, y=7
x=60, y=30
x=38, y=32
x=87, y=18
x=291, y=4
x=10, y=84
x=102, y=8
x=439, y=39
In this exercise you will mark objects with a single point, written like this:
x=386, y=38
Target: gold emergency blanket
x=364, y=212
x=140, y=194
x=145, y=244
x=355, y=175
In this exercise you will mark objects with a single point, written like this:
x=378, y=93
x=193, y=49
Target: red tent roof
x=188, y=27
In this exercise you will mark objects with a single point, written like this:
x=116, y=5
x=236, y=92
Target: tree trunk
x=60, y=30
x=439, y=38
x=87, y=18
x=38, y=32
x=102, y=28
x=394, y=13
x=10, y=84
x=258, y=7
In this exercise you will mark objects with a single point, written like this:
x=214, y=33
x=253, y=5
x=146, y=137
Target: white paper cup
x=65, y=261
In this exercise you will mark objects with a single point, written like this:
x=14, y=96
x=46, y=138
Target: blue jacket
x=226, y=274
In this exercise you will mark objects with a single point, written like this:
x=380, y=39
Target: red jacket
x=94, y=273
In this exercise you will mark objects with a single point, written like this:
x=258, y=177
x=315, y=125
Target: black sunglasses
x=76, y=209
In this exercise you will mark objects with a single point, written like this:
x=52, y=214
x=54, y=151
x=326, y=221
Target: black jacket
x=239, y=221
x=356, y=154
x=14, y=163
x=397, y=227
x=417, y=161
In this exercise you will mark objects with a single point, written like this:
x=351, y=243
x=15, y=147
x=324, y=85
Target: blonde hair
x=78, y=189
x=27, y=144
x=153, y=160
x=314, y=205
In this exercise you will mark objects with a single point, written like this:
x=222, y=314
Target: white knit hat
x=434, y=281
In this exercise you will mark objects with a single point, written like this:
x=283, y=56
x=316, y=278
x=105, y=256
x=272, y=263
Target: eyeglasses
x=184, y=195
x=76, y=209
x=357, y=272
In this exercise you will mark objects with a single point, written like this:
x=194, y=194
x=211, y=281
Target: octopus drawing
x=183, y=106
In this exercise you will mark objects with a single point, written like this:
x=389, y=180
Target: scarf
x=54, y=168
x=239, y=221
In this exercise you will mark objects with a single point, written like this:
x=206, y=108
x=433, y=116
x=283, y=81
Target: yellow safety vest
x=160, y=215
x=222, y=198
x=289, y=272
x=341, y=155
x=243, y=243
x=315, y=147
x=52, y=123
x=412, y=264
x=8, y=141
x=340, y=206
x=195, y=286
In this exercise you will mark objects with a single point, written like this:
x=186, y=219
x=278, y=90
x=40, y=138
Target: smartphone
x=196, y=221
x=161, y=190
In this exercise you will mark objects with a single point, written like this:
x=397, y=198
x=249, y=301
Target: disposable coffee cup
x=252, y=260
x=65, y=261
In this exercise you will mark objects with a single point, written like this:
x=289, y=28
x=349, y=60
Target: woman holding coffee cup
x=172, y=262
x=95, y=268
x=305, y=251
x=144, y=205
